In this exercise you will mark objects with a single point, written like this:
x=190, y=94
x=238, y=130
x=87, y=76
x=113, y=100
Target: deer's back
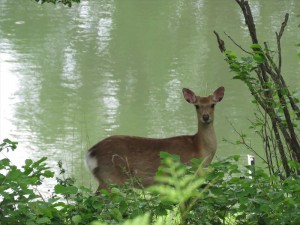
x=118, y=156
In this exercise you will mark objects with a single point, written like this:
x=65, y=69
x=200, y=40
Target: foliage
x=255, y=198
x=22, y=203
x=223, y=194
x=177, y=184
x=259, y=67
x=65, y=2
x=184, y=194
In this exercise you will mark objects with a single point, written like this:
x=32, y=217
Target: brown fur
x=116, y=158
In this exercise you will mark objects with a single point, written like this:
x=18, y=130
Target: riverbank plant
x=223, y=193
x=64, y=2
x=277, y=117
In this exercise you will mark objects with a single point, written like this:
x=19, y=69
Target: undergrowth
x=218, y=194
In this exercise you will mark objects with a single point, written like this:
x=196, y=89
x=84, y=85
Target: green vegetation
x=219, y=194
x=223, y=193
x=65, y=2
x=276, y=121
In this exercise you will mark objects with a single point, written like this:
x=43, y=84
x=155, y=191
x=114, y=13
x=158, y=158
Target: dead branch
x=220, y=42
x=278, y=38
x=248, y=19
x=239, y=46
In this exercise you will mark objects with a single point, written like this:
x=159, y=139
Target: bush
x=22, y=203
x=256, y=198
x=218, y=194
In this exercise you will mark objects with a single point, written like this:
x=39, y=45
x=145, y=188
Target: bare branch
x=239, y=46
x=244, y=142
x=220, y=42
x=270, y=59
x=278, y=38
x=283, y=25
x=248, y=19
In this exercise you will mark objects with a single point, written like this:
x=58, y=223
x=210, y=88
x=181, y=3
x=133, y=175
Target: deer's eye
x=212, y=106
x=197, y=106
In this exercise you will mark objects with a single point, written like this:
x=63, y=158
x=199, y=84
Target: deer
x=140, y=156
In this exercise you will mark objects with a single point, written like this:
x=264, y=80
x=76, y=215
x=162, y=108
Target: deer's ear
x=189, y=96
x=218, y=94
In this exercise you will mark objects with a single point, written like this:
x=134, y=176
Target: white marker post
x=251, y=162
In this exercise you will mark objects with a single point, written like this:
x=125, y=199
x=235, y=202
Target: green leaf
x=123, y=206
x=255, y=46
x=28, y=162
x=60, y=189
x=236, y=157
x=14, y=174
x=48, y=174
x=12, y=144
x=76, y=219
x=264, y=208
x=30, y=222
x=116, y=214
x=8, y=145
x=294, y=165
x=37, y=163
x=4, y=162
x=139, y=220
x=97, y=204
x=259, y=58
x=166, y=155
x=238, y=77
x=43, y=220
x=98, y=223
x=115, y=190
x=230, y=54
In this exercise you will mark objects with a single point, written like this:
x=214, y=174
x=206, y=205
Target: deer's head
x=204, y=105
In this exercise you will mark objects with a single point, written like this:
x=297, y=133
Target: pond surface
x=72, y=76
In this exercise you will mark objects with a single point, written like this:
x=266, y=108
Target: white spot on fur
x=91, y=162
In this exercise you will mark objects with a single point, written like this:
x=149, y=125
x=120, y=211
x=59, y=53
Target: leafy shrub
x=225, y=194
x=64, y=2
x=184, y=194
x=21, y=202
x=228, y=196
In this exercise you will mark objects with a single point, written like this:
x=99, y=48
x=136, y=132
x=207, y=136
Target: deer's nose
x=205, y=117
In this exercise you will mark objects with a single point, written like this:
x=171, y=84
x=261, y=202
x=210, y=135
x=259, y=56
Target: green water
x=72, y=76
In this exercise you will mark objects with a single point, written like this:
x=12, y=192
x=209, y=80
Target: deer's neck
x=206, y=140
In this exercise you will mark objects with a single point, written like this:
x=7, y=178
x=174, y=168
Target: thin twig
x=270, y=59
x=239, y=46
x=244, y=142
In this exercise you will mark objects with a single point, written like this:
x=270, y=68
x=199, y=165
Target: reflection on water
x=72, y=76
x=110, y=103
x=69, y=78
